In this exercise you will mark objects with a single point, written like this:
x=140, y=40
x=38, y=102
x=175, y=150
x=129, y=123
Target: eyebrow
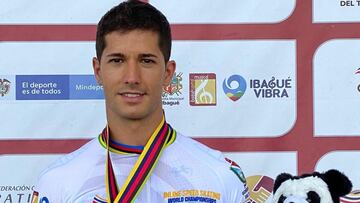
x=148, y=55
x=116, y=55
x=123, y=56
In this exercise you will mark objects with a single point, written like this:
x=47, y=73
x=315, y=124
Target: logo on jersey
x=192, y=195
x=234, y=167
x=202, y=89
x=260, y=188
x=237, y=170
x=353, y=197
x=234, y=87
x=4, y=87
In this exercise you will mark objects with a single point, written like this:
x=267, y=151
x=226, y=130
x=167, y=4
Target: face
x=133, y=72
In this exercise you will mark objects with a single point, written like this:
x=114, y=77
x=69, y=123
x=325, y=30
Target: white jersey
x=187, y=171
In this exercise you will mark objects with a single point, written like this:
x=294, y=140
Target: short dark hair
x=131, y=15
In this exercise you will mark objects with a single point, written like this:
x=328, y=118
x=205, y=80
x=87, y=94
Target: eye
x=116, y=60
x=313, y=197
x=281, y=199
x=147, y=60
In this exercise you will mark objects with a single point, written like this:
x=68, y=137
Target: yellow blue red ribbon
x=162, y=137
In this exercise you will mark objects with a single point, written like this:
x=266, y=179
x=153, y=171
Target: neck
x=133, y=131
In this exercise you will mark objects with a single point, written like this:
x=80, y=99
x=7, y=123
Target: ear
x=338, y=183
x=96, y=68
x=169, y=72
x=280, y=179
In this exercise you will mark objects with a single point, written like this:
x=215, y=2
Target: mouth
x=133, y=97
x=132, y=94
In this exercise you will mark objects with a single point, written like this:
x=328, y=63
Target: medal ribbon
x=162, y=137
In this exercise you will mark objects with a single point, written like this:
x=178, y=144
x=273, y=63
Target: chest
x=170, y=181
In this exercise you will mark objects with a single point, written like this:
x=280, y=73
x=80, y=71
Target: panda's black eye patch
x=281, y=199
x=313, y=197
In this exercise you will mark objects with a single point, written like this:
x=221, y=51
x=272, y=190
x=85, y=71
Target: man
x=139, y=157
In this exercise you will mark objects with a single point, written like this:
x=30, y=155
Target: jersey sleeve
x=237, y=189
x=238, y=194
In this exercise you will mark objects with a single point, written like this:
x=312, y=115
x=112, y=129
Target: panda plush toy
x=317, y=187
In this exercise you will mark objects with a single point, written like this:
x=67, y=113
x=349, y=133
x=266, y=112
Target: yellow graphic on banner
x=205, y=92
x=203, y=89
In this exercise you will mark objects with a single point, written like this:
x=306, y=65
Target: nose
x=132, y=73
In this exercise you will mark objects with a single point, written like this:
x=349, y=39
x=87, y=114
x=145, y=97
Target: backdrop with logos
x=275, y=85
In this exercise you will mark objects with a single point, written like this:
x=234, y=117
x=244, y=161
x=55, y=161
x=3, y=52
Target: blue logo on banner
x=42, y=87
x=234, y=87
x=85, y=87
x=57, y=87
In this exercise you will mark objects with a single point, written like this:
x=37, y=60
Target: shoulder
x=66, y=171
x=226, y=172
x=201, y=153
x=74, y=158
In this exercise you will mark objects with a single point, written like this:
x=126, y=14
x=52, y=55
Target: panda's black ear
x=280, y=179
x=338, y=183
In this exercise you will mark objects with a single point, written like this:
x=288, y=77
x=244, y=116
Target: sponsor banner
x=232, y=11
x=57, y=87
x=47, y=68
x=253, y=83
x=337, y=88
x=344, y=162
x=232, y=94
x=45, y=79
x=56, y=12
x=341, y=11
x=260, y=174
x=19, y=174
